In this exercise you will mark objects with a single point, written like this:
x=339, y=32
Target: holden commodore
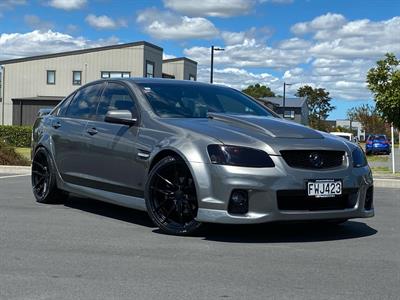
x=190, y=153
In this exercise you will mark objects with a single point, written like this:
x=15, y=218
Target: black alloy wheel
x=44, y=185
x=171, y=199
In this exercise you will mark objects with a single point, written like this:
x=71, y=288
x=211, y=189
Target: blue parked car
x=377, y=144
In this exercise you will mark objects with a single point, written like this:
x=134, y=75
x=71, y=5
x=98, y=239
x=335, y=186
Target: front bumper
x=215, y=184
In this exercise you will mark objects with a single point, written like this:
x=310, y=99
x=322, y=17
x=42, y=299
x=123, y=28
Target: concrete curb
x=387, y=183
x=15, y=169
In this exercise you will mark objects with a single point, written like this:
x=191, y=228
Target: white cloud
x=250, y=53
x=337, y=56
x=34, y=22
x=237, y=78
x=67, y=4
x=167, y=26
x=105, y=22
x=327, y=21
x=14, y=45
x=167, y=56
x=210, y=8
x=259, y=34
x=9, y=4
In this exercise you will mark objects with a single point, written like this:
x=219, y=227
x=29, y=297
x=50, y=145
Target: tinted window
x=63, y=106
x=84, y=104
x=195, y=101
x=115, y=97
x=377, y=137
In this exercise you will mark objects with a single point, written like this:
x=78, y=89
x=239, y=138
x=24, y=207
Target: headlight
x=239, y=156
x=359, y=159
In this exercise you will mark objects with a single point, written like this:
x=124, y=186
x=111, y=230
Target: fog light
x=239, y=202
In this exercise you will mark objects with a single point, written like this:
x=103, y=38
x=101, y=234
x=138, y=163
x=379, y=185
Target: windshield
x=378, y=137
x=171, y=100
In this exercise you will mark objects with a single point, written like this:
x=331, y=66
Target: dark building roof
x=81, y=51
x=289, y=102
x=179, y=59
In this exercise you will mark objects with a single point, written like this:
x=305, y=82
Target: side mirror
x=123, y=117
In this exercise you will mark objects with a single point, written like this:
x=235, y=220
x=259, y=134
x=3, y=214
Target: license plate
x=324, y=188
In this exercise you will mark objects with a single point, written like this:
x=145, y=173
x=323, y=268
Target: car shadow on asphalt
x=109, y=210
x=287, y=232
x=260, y=233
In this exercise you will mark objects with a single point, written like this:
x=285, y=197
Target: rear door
x=116, y=166
x=69, y=140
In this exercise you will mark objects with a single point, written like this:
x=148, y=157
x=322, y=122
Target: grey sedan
x=190, y=153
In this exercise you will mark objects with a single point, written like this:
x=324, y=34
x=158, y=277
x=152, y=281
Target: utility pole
x=212, y=61
x=393, y=154
x=284, y=97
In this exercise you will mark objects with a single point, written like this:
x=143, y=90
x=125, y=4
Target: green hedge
x=17, y=136
x=8, y=156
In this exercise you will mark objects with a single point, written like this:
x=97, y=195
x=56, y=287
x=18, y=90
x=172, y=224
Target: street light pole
x=284, y=97
x=212, y=61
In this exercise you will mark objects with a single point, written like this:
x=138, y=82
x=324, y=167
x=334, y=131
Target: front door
x=67, y=125
x=113, y=147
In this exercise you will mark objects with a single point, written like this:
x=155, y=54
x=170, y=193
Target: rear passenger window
x=115, y=97
x=62, y=107
x=84, y=104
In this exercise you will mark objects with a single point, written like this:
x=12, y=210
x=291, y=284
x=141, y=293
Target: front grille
x=299, y=200
x=313, y=159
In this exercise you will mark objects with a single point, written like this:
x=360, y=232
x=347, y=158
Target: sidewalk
x=386, y=180
x=15, y=170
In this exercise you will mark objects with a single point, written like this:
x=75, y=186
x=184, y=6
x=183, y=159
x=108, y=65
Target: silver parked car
x=190, y=153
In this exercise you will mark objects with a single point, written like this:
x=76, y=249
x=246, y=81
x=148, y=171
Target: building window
x=107, y=74
x=76, y=77
x=289, y=114
x=51, y=77
x=192, y=77
x=149, y=69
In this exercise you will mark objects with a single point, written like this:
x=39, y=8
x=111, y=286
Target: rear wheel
x=43, y=179
x=171, y=199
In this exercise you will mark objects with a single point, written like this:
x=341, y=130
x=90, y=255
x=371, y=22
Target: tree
x=258, y=91
x=319, y=106
x=384, y=82
x=369, y=117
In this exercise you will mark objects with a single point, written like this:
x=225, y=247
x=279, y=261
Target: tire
x=43, y=178
x=171, y=199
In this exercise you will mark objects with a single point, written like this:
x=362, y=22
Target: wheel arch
x=165, y=153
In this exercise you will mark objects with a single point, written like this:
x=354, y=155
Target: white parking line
x=12, y=176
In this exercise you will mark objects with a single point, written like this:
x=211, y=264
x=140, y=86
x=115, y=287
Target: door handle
x=92, y=131
x=56, y=124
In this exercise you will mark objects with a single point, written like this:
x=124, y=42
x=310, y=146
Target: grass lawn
x=25, y=152
x=378, y=158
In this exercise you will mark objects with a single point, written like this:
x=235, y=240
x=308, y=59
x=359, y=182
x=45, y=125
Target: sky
x=324, y=43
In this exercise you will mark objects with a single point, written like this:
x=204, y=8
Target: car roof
x=144, y=80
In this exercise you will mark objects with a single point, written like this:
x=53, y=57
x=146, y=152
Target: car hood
x=244, y=128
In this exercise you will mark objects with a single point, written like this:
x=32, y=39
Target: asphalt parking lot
x=85, y=249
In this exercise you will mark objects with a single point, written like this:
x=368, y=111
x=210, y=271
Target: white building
x=31, y=83
x=354, y=125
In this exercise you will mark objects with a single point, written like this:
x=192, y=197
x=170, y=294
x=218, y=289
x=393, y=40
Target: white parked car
x=346, y=135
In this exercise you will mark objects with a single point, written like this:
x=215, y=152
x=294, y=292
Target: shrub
x=8, y=156
x=17, y=136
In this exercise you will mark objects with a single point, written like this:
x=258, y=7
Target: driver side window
x=115, y=97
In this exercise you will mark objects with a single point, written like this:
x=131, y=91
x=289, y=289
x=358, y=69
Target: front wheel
x=171, y=199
